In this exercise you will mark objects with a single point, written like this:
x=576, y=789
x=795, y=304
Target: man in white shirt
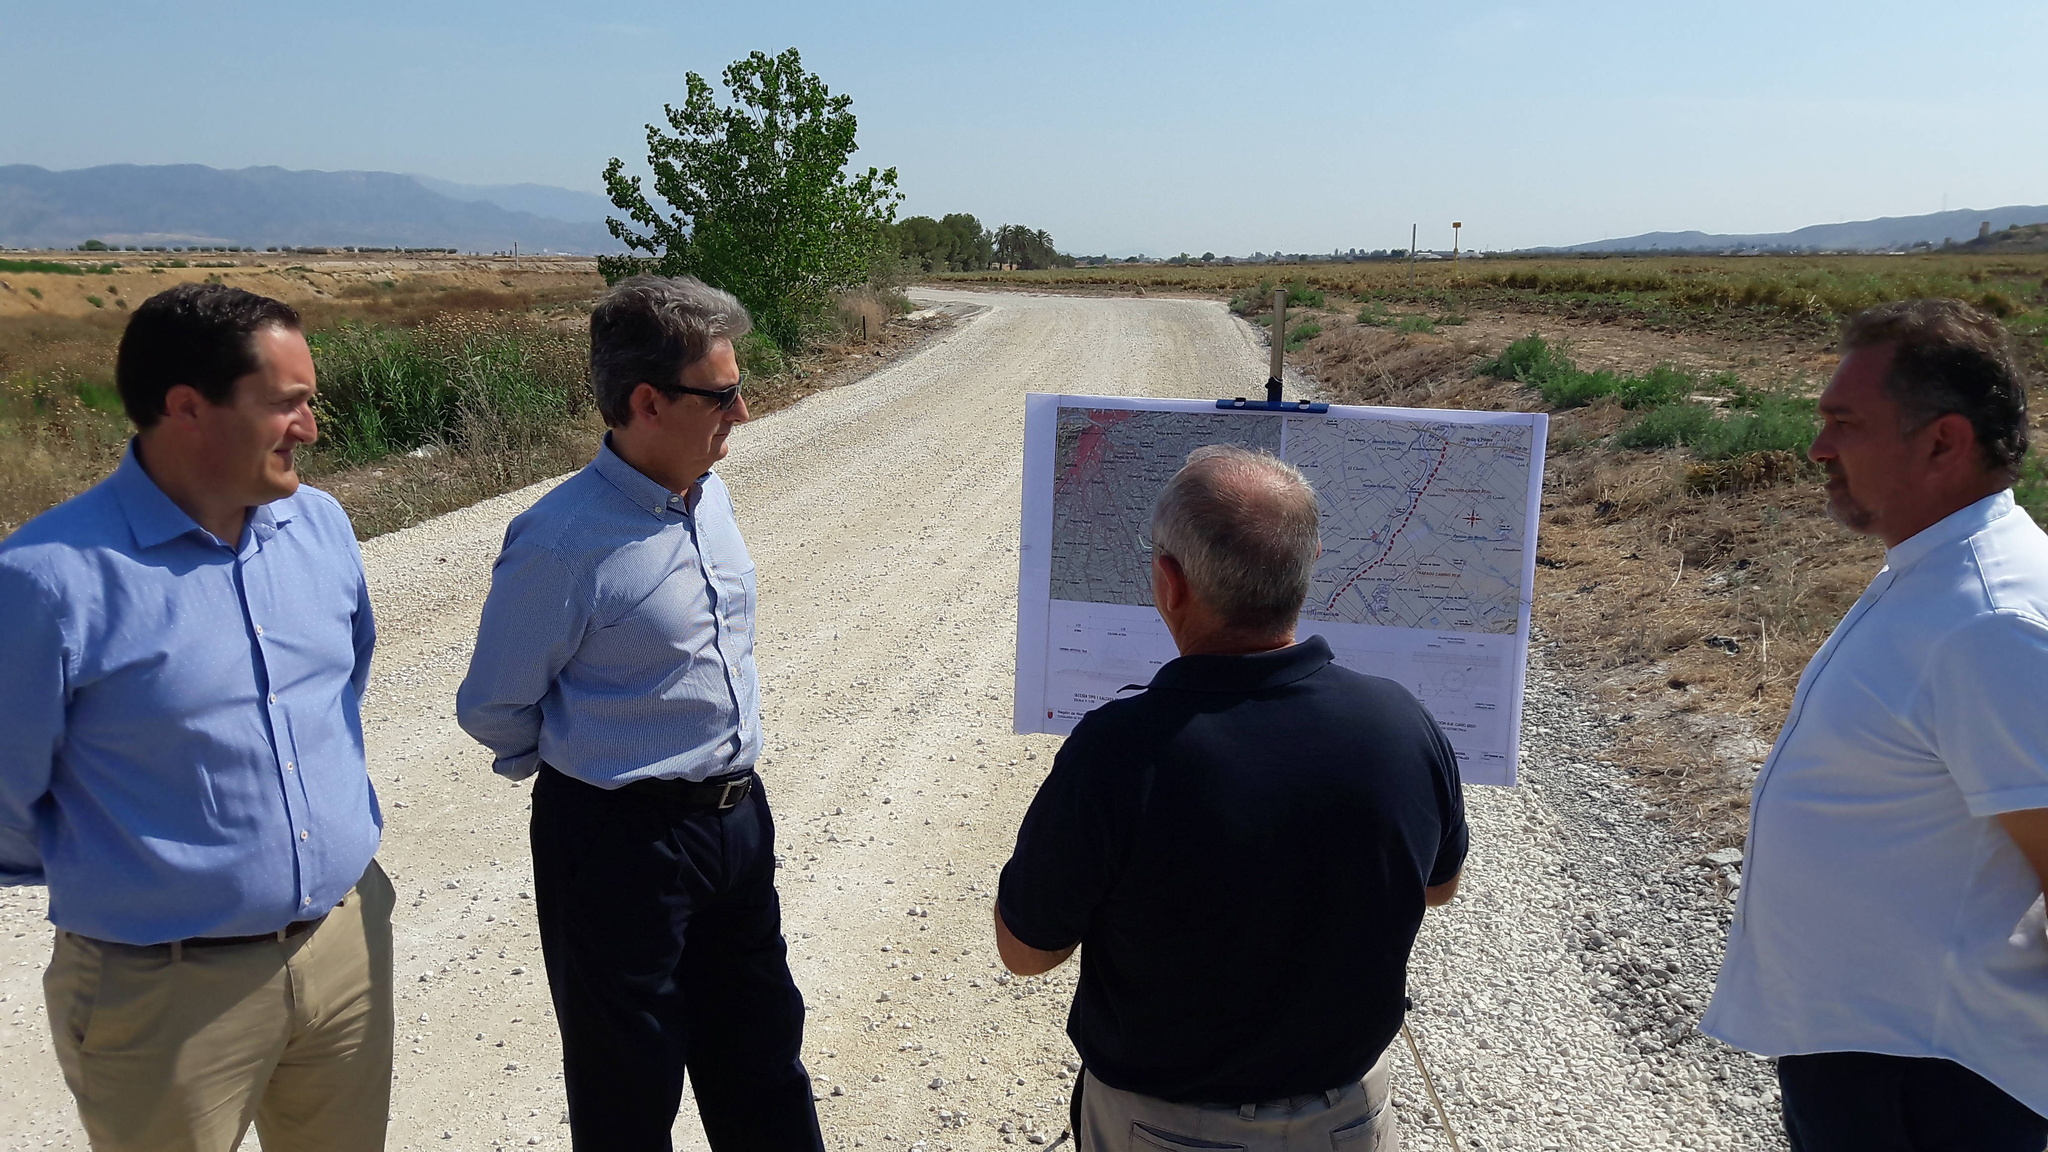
x=1889, y=945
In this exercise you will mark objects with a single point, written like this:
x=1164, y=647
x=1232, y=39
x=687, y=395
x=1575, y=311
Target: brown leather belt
x=294, y=929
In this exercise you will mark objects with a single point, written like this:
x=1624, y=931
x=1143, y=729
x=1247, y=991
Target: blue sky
x=1118, y=127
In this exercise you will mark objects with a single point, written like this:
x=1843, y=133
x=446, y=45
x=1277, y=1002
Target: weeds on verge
x=1562, y=384
x=55, y=267
x=2031, y=490
x=1775, y=422
x=1302, y=333
x=452, y=383
x=1260, y=297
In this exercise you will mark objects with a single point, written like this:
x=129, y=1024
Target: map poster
x=1426, y=577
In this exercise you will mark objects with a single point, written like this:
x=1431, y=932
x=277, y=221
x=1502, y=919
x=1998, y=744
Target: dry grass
x=1689, y=593
x=62, y=429
x=61, y=426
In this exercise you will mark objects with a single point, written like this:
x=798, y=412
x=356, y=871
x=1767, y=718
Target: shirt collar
x=153, y=518
x=1244, y=673
x=1958, y=525
x=644, y=493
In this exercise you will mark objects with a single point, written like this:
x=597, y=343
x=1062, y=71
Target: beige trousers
x=1353, y=1118
x=181, y=1054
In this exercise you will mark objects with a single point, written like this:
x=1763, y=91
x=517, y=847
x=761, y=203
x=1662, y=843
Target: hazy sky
x=1119, y=127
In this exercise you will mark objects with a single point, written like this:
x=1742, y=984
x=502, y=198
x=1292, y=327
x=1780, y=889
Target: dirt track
x=883, y=519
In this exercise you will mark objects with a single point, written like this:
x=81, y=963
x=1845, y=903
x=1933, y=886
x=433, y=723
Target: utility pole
x=1411, y=255
x=1455, y=225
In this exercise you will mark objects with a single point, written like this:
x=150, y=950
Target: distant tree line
x=959, y=243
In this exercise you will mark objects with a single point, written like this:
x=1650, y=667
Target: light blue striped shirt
x=617, y=642
x=183, y=740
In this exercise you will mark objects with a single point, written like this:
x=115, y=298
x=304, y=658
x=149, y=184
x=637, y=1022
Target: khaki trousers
x=1352, y=1118
x=181, y=1054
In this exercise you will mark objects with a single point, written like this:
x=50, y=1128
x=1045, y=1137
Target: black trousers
x=1864, y=1102
x=663, y=939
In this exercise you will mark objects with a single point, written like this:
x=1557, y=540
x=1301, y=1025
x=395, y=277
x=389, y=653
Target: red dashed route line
x=1398, y=529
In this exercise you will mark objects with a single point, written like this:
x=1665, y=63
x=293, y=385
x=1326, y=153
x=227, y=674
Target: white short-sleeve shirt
x=1884, y=909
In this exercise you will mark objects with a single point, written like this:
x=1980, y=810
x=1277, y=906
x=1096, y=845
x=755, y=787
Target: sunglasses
x=726, y=397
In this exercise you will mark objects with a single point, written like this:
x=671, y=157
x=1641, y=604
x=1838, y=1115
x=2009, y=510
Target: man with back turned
x=1246, y=849
x=615, y=665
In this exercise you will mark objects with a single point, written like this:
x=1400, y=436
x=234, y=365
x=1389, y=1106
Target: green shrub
x=1253, y=301
x=1300, y=295
x=1663, y=384
x=35, y=292
x=95, y=301
x=759, y=356
x=1779, y=422
x=1414, y=324
x=1302, y=333
x=1375, y=314
x=2032, y=489
x=453, y=382
x=1562, y=384
x=1526, y=361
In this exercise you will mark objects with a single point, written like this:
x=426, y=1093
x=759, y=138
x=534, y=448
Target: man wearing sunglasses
x=615, y=666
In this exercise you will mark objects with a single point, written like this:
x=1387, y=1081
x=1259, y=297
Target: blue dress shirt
x=183, y=751
x=617, y=642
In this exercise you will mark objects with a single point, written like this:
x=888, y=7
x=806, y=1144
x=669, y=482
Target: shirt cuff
x=517, y=767
x=2008, y=800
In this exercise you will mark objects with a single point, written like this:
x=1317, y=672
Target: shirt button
x=306, y=901
x=259, y=629
x=302, y=833
x=273, y=697
x=288, y=766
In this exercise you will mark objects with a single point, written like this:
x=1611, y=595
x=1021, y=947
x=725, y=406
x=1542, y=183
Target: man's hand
x=1438, y=895
x=1022, y=958
x=2029, y=829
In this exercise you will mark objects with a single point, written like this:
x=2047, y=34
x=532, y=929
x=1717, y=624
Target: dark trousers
x=663, y=939
x=1864, y=1102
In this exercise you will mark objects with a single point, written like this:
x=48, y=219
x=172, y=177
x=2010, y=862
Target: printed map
x=1424, y=524
x=1110, y=465
x=1427, y=534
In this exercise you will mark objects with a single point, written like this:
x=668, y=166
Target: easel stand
x=1273, y=402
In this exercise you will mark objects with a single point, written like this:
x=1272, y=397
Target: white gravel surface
x=1554, y=998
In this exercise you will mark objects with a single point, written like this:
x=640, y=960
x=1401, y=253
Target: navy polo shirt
x=1242, y=852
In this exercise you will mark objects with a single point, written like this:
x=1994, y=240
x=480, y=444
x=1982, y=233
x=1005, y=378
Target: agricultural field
x=444, y=379
x=1686, y=566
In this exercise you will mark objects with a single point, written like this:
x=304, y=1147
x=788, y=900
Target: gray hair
x=1950, y=357
x=648, y=329
x=1243, y=526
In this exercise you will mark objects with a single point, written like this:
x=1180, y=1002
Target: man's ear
x=1952, y=440
x=183, y=403
x=646, y=402
x=1173, y=580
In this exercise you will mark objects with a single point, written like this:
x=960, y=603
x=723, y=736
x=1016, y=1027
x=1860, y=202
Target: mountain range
x=185, y=205
x=1886, y=234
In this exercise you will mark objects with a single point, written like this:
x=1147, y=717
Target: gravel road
x=1554, y=998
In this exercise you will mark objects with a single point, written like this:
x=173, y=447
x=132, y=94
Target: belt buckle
x=726, y=800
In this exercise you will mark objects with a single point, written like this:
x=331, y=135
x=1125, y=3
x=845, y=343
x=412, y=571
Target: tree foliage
x=757, y=196
x=956, y=243
x=1022, y=247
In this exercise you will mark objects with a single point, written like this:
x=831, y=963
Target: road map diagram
x=1426, y=574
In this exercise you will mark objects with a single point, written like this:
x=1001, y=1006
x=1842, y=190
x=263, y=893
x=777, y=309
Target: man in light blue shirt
x=615, y=664
x=183, y=652
x=1889, y=944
